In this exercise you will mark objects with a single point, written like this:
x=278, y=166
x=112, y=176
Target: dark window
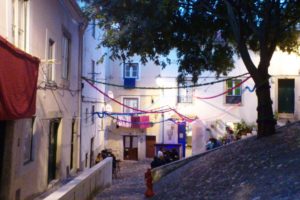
x=94, y=28
x=93, y=71
x=28, y=141
x=66, y=56
x=93, y=116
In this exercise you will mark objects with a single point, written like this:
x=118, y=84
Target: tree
x=205, y=34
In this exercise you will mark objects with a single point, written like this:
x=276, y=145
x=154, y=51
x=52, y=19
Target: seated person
x=157, y=162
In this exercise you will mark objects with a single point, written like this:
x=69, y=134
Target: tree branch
x=235, y=25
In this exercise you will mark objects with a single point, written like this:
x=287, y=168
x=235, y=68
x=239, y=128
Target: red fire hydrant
x=148, y=179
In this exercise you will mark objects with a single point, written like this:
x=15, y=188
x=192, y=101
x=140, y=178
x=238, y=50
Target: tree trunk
x=265, y=118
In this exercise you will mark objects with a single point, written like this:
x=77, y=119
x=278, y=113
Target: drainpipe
x=82, y=26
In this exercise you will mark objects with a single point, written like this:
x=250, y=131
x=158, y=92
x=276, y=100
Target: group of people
x=164, y=157
x=104, y=154
x=214, y=143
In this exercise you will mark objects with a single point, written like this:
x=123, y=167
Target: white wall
x=148, y=99
x=91, y=96
x=86, y=184
x=46, y=19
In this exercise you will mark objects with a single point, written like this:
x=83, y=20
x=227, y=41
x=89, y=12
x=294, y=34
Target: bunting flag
x=18, y=82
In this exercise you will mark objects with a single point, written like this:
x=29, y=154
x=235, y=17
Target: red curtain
x=18, y=82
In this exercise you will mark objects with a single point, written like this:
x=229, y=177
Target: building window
x=131, y=102
x=93, y=71
x=94, y=28
x=28, y=141
x=50, y=59
x=233, y=96
x=73, y=143
x=86, y=115
x=65, y=56
x=185, y=95
x=93, y=116
x=131, y=70
x=19, y=23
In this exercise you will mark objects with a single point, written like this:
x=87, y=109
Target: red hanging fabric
x=18, y=82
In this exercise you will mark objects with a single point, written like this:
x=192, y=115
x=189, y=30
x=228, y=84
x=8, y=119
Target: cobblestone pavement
x=252, y=169
x=129, y=184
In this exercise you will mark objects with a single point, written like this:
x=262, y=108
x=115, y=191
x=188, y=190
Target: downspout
x=82, y=27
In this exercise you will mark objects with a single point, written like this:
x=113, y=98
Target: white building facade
x=126, y=139
x=216, y=107
x=92, y=126
x=42, y=150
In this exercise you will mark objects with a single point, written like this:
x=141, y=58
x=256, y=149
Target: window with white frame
x=50, y=59
x=185, y=94
x=131, y=70
x=130, y=102
x=28, y=141
x=233, y=96
x=19, y=22
x=65, y=56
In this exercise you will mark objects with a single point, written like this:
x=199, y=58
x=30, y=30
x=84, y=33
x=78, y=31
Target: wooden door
x=286, y=95
x=52, y=149
x=150, y=148
x=130, y=147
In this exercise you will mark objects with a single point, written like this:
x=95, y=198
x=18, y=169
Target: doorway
x=286, y=95
x=2, y=146
x=54, y=124
x=130, y=147
x=92, y=152
x=150, y=148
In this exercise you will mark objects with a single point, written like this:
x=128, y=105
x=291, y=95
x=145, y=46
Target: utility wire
x=166, y=88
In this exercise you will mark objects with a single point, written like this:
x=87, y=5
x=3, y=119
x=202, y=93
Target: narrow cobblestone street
x=129, y=183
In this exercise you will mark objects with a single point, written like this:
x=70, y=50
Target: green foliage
x=205, y=35
x=276, y=115
x=154, y=28
x=242, y=128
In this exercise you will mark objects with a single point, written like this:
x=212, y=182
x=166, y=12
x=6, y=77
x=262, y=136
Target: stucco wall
x=91, y=96
x=86, y=184
x=46, y=19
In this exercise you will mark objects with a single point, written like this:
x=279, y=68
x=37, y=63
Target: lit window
x=233, y=96
x=130, y=102
x=131, y=70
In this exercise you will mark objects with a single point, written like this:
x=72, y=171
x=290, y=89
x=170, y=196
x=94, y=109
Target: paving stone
x=252, y=169
x=129, y=183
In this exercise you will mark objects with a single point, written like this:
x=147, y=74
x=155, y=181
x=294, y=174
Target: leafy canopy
x=204, y=33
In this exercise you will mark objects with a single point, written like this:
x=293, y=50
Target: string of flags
x=136, y=119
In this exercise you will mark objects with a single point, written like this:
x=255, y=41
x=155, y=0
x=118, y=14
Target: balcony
x=129, y=83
